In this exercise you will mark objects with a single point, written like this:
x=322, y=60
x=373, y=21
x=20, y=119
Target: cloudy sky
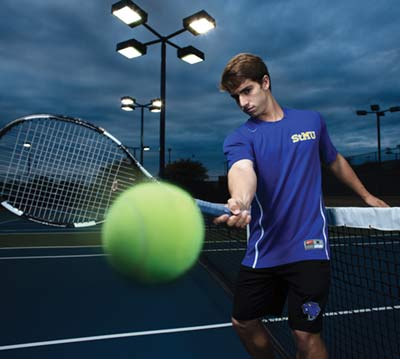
x=331, y=56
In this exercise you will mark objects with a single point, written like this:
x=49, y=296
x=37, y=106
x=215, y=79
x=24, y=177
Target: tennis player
x=274, y=182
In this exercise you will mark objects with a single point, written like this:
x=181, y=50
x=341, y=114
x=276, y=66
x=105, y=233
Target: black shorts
x=261, y=292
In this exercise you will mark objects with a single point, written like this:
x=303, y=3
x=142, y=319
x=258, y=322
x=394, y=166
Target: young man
x=275, y=186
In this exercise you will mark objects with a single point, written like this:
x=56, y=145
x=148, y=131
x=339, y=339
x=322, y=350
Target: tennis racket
x=66, y=172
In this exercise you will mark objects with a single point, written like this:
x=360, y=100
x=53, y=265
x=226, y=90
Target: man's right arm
x=242, y=184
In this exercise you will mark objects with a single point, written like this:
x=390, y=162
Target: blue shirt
x=287, y=214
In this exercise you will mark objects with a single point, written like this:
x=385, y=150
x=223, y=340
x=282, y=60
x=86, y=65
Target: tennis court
x=362, y=318
x=59, y=298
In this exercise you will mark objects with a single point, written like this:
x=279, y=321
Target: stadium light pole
x=129, y=104
x=379, y=113
x=133, y=15
x=145, y=148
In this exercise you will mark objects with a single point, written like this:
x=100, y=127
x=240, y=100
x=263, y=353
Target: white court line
x=223, y=250
x=9, y=221
x=362, y=311
x=53, y=247
x=54, y=257
x=176, y=330
x=342, y=312
x=68, y=231
x=390, y=242
x=113, y=336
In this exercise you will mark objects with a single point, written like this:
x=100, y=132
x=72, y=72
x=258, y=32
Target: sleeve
x=237, y=147
x=327, y=150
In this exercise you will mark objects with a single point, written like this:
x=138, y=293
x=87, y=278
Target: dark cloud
x=334, y=57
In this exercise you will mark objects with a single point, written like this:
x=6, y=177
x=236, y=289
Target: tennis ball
x=153, y=233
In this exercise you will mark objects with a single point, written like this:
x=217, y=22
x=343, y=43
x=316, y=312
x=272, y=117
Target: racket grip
x=212, y=209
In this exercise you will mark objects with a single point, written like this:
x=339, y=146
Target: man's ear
x=265, y=82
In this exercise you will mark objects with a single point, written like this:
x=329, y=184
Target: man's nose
x=243, y=103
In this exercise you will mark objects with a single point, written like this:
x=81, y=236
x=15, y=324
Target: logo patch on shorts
x=313, y=244
x=311, y=309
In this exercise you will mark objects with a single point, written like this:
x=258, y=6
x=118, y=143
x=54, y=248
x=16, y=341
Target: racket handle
x=212, y=209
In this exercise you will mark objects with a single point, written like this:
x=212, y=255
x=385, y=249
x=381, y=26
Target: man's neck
x=273, y=112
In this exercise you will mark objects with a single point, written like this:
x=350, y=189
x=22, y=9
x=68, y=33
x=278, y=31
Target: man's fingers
x=240, y=220
x=221, y=219
x=239, y=217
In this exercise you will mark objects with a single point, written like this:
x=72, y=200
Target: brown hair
x=240, y=68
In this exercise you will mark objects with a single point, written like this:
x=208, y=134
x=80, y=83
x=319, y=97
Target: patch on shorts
x=311, y=309
x=313, y=244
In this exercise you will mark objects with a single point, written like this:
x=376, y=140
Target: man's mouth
x=249, y=110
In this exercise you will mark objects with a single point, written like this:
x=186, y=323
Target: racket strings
x=47, y=162
x=101, y=154
x=79, y=197
x=69, y=174
x=8, y=164
x=24, y=162
x=69, y=156
x=109, y=177
x=51, y=161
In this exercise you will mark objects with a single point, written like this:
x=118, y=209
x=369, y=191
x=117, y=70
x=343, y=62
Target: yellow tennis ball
x=153, y=232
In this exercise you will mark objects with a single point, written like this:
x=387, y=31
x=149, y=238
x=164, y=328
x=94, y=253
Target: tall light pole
x=129, y=104
x=133, y=15
x=142, y=148
x=379, y=113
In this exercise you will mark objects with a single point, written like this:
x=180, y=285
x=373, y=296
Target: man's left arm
x=343, y=171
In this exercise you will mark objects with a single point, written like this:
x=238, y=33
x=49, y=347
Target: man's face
x=252, y=97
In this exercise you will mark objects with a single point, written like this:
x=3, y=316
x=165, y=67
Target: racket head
x=63, y=171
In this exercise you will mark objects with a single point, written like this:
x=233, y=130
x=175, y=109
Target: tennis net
x=362, y=317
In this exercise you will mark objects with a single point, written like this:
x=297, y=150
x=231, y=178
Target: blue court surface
x=60, y=299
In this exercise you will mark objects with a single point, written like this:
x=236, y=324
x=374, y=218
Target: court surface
x=60, y=299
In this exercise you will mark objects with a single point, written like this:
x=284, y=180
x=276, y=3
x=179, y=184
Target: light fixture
x=190, y=55
x=129, y=13
x=199, y=23
x=146, y=148
x=127, y=100
x=27, y=145
x=156, y=102
x=155, y=105
x=375, y=109
x=131, y=48
x=127, y=107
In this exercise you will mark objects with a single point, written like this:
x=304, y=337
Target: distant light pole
x=130, y=104
x=133, y=15
x=142, y=148
x=379, y=113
